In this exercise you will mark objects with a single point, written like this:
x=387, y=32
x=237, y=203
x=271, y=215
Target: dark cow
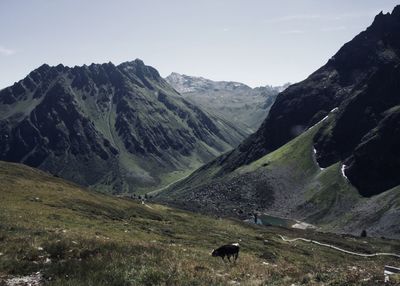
x=228, y=250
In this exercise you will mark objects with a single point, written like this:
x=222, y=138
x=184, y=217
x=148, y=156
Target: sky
x=257, y=42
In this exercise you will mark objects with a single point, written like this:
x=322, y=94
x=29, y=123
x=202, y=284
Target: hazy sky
x=256, y=42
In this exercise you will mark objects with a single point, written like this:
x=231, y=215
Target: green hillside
x=72, y=236
x=289, y=183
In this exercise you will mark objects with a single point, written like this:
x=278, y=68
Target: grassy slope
x=94, y=239
x=324, y=189
x=297, y=154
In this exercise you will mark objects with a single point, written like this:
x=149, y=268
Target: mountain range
x=328, y=151
x=113, y=175
x=236, y=102
x=119, y=129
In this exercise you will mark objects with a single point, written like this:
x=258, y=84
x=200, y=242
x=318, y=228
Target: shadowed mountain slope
x=347, y=75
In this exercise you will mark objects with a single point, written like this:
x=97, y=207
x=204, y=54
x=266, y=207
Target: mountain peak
x=136, y=62
x=175, y=76
x=138, y=67
x=385, y=20
x=43, y=68
x=396, y=12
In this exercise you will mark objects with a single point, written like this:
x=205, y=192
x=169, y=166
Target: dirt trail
x=339, y=249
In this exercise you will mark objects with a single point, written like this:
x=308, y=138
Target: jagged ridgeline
x=117, y=128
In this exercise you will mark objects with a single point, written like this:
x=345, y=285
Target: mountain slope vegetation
x=81, y=237
x=120, y=129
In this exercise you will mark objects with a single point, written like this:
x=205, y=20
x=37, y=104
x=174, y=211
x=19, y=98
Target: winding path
x=339, y=249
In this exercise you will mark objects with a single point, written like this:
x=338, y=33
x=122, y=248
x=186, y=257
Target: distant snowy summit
x=234, y=101
x=185, y=83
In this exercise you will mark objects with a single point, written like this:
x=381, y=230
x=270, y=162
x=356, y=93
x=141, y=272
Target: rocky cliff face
x=234, y=101
x=365, y=135
x=119, y=128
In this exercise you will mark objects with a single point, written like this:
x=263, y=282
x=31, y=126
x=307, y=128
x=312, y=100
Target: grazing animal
x=227, y=250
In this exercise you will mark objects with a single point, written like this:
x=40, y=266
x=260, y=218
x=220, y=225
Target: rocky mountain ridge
x=117, y=128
